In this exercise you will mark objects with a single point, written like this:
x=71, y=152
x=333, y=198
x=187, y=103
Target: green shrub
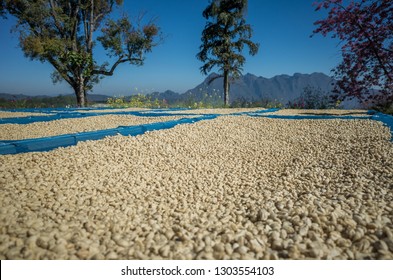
x=39, y=102
x=135, y=101
x=313, y=98
x=263, y=103
x=383, y=106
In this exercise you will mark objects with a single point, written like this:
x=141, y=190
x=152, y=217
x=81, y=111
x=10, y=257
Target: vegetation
x=135, y=101
x=263, y=103
x=382, y=106
x=142, y=101
x=2, y=8
x=365, y=29
x=223, y=40
x=313, y=98
x=206, y=102
x=61, y=101
x=62, y=33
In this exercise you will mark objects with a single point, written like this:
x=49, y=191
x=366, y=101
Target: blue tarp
x=386, y=119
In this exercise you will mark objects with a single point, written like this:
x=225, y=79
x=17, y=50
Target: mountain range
x=280, y=88
x=251, y=88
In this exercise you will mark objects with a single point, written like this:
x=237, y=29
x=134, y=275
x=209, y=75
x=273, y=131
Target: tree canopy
x=63, y=34
x=365, y=29
x=223, y=39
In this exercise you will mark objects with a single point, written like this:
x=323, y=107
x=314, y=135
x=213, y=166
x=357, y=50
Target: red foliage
x=365, y=29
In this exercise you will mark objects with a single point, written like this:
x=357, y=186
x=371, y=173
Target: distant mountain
x=249, y=87
x=280, y=88
x=170, y=96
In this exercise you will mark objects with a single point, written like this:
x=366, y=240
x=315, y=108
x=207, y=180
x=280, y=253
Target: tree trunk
x=226, y=88
x=85, y=97
x=80, y=99
x=80, y=93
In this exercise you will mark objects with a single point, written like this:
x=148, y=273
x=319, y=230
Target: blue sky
x=281, y=27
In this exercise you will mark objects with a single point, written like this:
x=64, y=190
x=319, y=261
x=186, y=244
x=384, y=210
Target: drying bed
x=233, y=187
x=65, y=127
x=76, y=125
x=225, y=111
x=112, y=110
x=10, y=114
x=319, y=112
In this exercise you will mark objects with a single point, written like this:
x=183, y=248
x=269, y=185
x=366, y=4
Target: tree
x=365, y=29
x=223, y=40
x=2, y=8
x=63, y=33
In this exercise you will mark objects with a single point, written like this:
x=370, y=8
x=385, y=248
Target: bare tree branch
x=114, y=66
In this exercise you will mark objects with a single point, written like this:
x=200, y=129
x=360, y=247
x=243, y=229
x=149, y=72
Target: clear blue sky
x=282, y=27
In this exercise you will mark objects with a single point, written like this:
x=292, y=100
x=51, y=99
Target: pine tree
x=223, y=40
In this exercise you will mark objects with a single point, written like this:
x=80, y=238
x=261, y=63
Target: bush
x=312, y=98
x=264, y=103
x=384, y=106
x=135, y=101
x=39, y=102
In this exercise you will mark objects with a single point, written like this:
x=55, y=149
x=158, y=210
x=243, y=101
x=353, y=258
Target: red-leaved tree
x=365, y=29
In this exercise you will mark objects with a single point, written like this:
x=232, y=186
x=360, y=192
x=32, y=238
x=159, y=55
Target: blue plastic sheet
x=386, y=119
x=37, y=145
